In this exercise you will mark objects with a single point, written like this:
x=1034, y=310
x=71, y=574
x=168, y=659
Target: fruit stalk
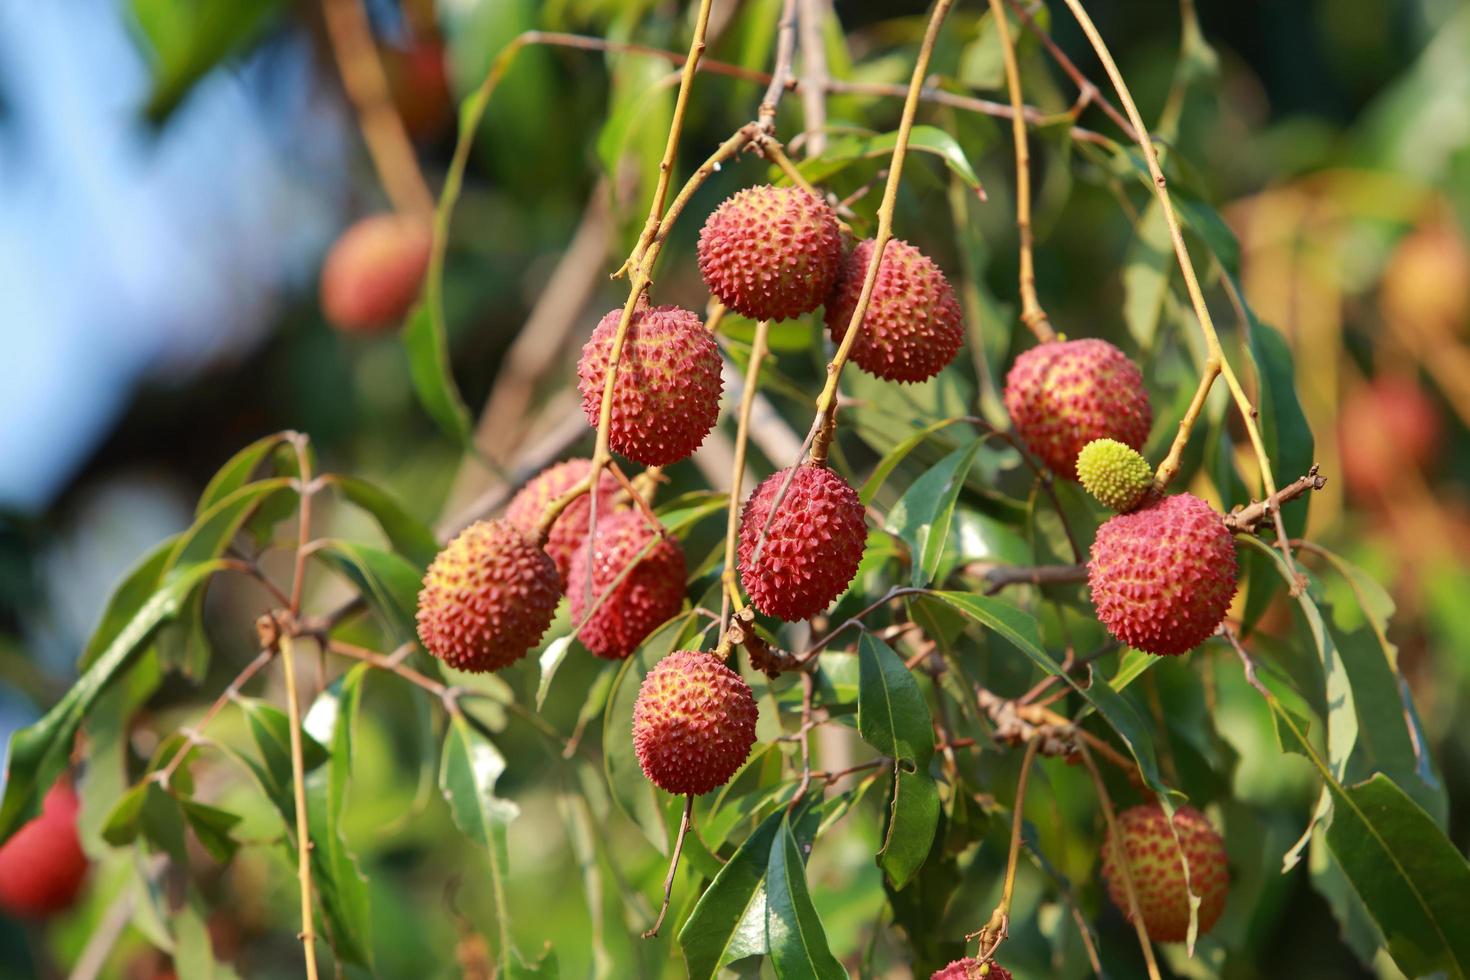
x=996, y=930
x=824, y=425
x=1170, y=465
x=1032, y=315
x=684, y=823
x=298, y=785
x=732, y=598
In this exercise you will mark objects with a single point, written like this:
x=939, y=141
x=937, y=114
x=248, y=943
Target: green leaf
x=1021, y=630
x=1146, y=268
x=189, y=38
x=39, y=753
x=427, y=344
x=271, y=731
x=923, y=514
x=131, y=594
x=897, y=455
x=237, y=472
x=1412, y=880
x=794, y=933
x=389, y=582
x=409, y=536
x=895, y=720
x=847, y=150
x=212, y=826
x=729, y=920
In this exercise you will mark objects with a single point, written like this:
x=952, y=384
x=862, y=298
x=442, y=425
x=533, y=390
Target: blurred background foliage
x=173, y=171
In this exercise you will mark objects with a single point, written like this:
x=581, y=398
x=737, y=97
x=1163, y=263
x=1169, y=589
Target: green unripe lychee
x=1116, y=474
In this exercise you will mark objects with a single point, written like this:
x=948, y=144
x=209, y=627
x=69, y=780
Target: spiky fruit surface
x=1158, y=876
x=373, y=273
x=1163, y=575
x=970, y=968
x=913, y=326
x=1117, y=475
x=1387, y=427
x=1061, y=395
x=487, y=597
x=569, y=532
x=812, y=547
x=625, y=608
x=771, y=253
x=42, y=866
x=667, y=394
x=693, y=723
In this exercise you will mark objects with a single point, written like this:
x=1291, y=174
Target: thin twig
x=813, y=81
x=995, y=931
x=728, y=576
x=298, y=782
x=1169, y=467
x=1247, y=519
x=230, y=693
x=301, y=445
x=781, y=77
x=1089, y=92
x=673, y=866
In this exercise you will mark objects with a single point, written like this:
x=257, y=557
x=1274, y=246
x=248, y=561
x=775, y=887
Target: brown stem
x=781, y=77
x=1247, y=519
x=1170, y=465
x=229, y=694
x=729, y=576
x=997, y=928
x=1089, y=92
x=673, y=866
x=813, y=82
x=367, y=87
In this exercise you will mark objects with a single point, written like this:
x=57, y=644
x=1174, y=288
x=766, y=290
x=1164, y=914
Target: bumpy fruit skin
x=693, y=723
x=812, y=547
x=1116, y=475
x=771, y=253
x=1163, y=576
x=636, y=603
x=1387, y=427
x=913, y=326
x=1061, y=395
x=667, y=394
x=1158, y=878
x=569, y=532
x=42, y=866
x=374, y=271
x=487, y=597
x=970, y=968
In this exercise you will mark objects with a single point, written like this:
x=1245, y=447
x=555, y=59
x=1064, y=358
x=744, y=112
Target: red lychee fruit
x=1158, y=876
x=1061, y=395
x=771, y=253
x=970, y=968
x=811, y=548
x=42, y=866
x=667, y=394
x=373, y=274
x=1163, y=576
x=418, y=81
x=569, y=532
x=693, y=723
x=1386, y=427
x=631, y=596
x=913, y=326
x=488, y=596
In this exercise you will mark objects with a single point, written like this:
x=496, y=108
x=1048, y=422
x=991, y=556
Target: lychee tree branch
x=1089, y=93
x=995, y=931
x=1169, y=466
x=728, y=576
x=298, y=784
x=684, y=824
x=781, y=75
x=1032, y=314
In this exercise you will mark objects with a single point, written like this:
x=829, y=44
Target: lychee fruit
x=1158, y=876
x=637, y=584
x=488, y=596
x=771, y=253
x=374, y=272
x=667, y=394
x=1116, y=475
x=693, y=723
x=418, y=82
x=42, y=866
x=811, y=548
x=1387, y=427
x=970, y=968
x=913, y=326
x=1427, y=281
x=1163, y=576
x=569, y=531
x=1061, y=395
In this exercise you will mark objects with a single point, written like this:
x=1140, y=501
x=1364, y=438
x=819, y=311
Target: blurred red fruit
x=374, y=271
x=1386, y=427
x=42, y=867
x=418, y=80
x=1427, y=280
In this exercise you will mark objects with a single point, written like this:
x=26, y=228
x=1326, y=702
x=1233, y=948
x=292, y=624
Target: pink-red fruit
x=913, y=326
x=970, y=968
x=1061, y=395
x=1388, y=427
x=374, y=272
x=1158, y=876
x=771, y=253
x=569, y=531
x=811, y=548
x=693, y=723
x=627, y=603
x=487, y=597
x=42, y=866
x=1163, y=576
x=667, y=394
